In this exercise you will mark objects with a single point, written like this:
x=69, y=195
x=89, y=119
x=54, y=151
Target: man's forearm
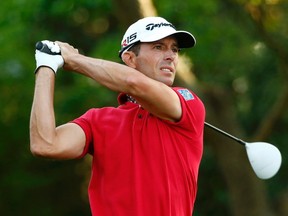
x=42, y=121
x=114, y=76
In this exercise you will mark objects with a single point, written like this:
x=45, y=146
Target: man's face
x=158, y=60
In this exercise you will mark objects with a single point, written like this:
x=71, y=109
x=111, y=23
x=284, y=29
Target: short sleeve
x=84, y=122
x=193, y=110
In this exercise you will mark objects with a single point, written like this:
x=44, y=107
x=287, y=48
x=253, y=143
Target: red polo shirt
x=143, y=165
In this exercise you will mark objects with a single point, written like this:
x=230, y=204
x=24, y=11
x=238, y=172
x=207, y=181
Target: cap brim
x=185, y=39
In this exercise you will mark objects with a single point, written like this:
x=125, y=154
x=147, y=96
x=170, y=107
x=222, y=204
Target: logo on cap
x=129, y=39
x=151, y=26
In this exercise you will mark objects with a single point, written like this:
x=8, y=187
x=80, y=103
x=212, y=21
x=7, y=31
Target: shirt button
x=140, y=116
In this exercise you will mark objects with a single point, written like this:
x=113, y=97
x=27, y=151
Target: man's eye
x=159, y=47
x=176, y=50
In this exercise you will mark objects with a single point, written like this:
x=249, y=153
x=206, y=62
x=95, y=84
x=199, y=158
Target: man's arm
x=156, y=97
x=64, y=142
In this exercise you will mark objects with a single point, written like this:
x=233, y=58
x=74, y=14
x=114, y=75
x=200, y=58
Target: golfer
x=146, y=152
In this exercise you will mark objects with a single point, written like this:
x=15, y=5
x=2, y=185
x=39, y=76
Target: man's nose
x=170, y=55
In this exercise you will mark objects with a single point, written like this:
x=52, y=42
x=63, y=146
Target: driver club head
x=264, y=158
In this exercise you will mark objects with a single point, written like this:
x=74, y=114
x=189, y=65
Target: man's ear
x=128, y=58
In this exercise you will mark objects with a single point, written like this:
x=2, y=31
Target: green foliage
x=228, y=54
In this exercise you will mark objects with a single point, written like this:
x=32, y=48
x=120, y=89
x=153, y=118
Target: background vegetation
x=239, y=68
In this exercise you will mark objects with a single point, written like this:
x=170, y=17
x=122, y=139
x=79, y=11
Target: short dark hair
x=135, y=48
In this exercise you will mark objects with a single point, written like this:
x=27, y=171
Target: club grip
x=45, y=49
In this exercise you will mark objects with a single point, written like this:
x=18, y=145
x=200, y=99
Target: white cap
x=151, y=29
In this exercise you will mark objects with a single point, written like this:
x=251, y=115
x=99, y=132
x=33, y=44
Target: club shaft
x=225, y=133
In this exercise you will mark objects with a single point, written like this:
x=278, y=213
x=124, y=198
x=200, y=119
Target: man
x=147, y=151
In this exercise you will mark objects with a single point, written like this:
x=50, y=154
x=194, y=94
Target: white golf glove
x=54, y=60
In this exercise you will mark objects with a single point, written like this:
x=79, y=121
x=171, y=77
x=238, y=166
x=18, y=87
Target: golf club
x=264, y=158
